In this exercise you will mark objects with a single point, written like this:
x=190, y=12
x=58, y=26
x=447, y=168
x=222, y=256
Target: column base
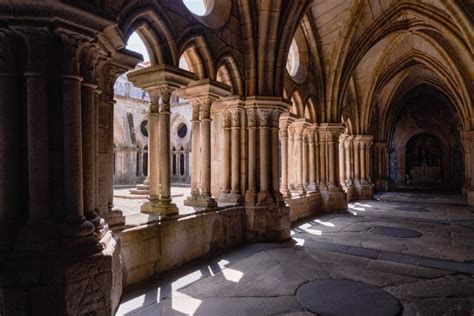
x=250, y=197
x=203, y=201
x=232, y=197
x=62, y=281
x=267, y=223
x=334, y=200
x=265, y=198
x=365, y=191
x=470, y=197
x=300, y=190
x=115, y=218
x=351, y=193
x=160, y=207
x=311, y=188
x=381, y=185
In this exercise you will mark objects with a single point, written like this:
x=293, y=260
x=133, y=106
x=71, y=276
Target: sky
x=135, y=43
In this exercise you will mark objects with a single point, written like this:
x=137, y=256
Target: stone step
x=139, y=192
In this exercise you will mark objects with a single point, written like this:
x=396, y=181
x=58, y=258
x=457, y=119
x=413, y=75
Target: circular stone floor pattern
x=346, y=297
x=396, y=232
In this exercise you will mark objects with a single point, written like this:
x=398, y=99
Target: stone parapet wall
x=148, y=250
x=304, y=207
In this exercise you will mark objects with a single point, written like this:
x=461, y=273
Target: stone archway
x=424, y=162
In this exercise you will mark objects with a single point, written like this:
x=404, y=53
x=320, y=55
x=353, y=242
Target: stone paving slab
x=346, y=297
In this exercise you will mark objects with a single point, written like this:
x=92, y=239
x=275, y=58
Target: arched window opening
x=181, y=164
x=136, y=44
x=174, y=164
x=293, y=61
x=145, y=161
x=183, y=63
x=198, y=7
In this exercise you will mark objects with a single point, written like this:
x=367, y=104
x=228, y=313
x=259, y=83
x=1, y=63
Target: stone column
x=305, y=159
x=299, y=139
x=10, y=152
x=342, y=161
x=468, y=143
x=356, y=149
x=264, y=195
x=365, y=186
x=75, y=225
x=88, y=155
x=317, y=157
x=291, y=158
x=334, y=198
x=165, y=206
x=312, y=160
x=38, y=144
x=250, y=195
x=284, y=159
x=195, y=151
x=275, y=155
x=235, y=195
x=153, y=168
x=348, y=169
x=225, y=156
x=322, y=161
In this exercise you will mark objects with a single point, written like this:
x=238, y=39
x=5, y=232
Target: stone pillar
x=334, y=198
x=153, y=168
x=356, y=149
x=235, y=194
x=38, y=143
x=264, y=195
x=342, y=161
x=275, y=157
x=88, y=155
x=311, y=160
x=76, y=231
x=268, y=219
x=299, y=139
x=291, y=158
x=381, y=183
x=284, y=159
x=364, y=186
x=351, y=193
x=468, y=143
x=195, y=151
x=165, y=208
x=225, y=156
x=251, y=194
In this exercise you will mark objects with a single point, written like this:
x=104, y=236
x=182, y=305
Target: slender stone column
x=305, y=160
x=166, y=207
x=291, y=158
x=311, y=160
x=206, y=154
x=10, y=154
x=72, y=137
x=226, y=159
x=264, y=196
x=195, y=151
x=236, y=193
x=316, y=158
x=331, y=144
x=250, y=195
x=284, y=159
x=342, y=159
x=356, y=148
x=38, y=144
x=363, y=172
x=299, y=138
x=347, y=149
x=153, y=151
x=322, y=161
x=368, y=161
x=87, y=99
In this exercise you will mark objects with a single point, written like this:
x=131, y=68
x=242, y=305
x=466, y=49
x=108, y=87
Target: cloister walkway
x=417, y=247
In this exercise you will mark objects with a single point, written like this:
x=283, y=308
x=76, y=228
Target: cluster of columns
x=468, y=145
x=231, y=127
x=355, y=166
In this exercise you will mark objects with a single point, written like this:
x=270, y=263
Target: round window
x=182, y=130
x=143, y=128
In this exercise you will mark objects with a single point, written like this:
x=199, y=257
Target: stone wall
x=304, y=207
x=151, y=249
